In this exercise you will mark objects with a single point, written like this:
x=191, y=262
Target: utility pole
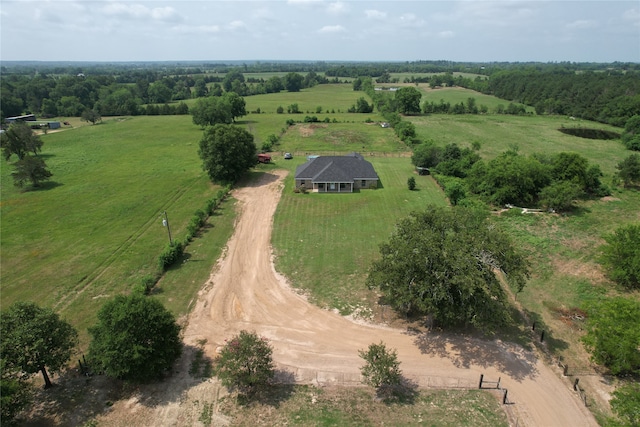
x=165, y=222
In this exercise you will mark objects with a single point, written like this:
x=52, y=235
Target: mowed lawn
x=95, y=229
x=325, y=243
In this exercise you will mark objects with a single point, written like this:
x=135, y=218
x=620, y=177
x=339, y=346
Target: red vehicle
x=264, y=158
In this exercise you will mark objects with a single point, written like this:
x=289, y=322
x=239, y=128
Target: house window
x=332, y=186
x=364, y=184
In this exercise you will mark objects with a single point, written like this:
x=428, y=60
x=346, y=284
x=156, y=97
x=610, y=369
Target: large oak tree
x=34, y=339
x=20, y=140
x=135, y=339
x=408, y=100
x=227, y=152
x=445, y=262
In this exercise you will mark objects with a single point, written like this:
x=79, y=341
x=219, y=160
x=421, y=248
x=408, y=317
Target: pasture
x=95, y=229
x=530, y=134
x=457, y=95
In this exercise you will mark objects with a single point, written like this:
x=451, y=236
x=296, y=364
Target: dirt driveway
x=318, y=346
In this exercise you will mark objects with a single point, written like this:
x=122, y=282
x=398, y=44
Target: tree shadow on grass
x=465, y=351
x=44, y=186
x=257, y=179
x=404, y=393
x=274, y=394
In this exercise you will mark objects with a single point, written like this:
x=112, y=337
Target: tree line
x=143, y=92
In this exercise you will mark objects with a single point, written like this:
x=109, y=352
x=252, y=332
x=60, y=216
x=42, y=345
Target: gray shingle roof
x=336, y=169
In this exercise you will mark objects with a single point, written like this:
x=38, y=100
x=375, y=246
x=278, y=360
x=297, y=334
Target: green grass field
x=95, y=229
x=530, y=134
x=456, y=95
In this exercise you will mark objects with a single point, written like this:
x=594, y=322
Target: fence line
x=287, y=373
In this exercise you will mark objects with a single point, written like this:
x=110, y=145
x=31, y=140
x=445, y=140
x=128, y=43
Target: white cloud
x=164, y=13
x=446, y=34
x=411, y=20
x=328, y=29
x=138, y=11
x=124, y=10
x=304, y=2
x=197, y=29
x=262, y=13
x=235, y=25
x=492, y=13
x=337, y=8
x=582, y=24
x=375, y=14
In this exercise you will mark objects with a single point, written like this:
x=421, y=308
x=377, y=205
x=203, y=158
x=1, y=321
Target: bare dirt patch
x=308, y=130
x=572, y=267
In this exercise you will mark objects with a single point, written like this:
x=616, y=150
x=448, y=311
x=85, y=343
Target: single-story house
x=336, y=174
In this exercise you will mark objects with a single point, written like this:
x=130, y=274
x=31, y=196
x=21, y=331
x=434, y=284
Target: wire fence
x=290, y=374
x=287, y=374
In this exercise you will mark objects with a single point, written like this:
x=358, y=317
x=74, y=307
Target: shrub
x=135, y=338
x=381, y=369
x=621, y=256
x=146, y=285
x=626, y=403
x=245, y=363
x=211, y=205
x=613, y=334
x=411, y=183
x=171, y=254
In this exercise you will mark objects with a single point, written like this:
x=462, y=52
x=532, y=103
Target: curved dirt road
x=315, y=345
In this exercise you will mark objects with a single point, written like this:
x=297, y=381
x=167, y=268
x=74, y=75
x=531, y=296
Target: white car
x=288, y=156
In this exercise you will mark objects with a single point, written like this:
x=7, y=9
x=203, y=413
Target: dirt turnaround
x=316, y=346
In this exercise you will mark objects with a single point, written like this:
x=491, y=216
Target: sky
x=319, y=30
